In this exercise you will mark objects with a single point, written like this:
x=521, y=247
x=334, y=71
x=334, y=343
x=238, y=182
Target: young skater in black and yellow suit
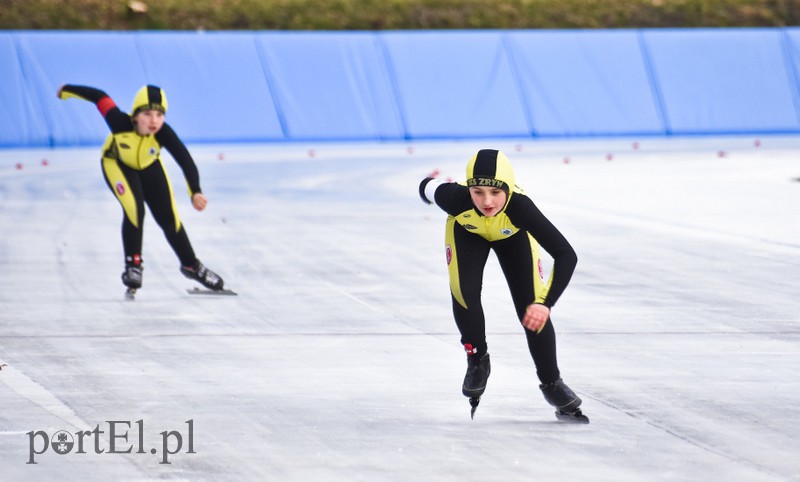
x=133, y=170
x=489, y=212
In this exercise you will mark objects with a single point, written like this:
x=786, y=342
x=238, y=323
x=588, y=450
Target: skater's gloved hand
x=199, y=201
x=535, y=317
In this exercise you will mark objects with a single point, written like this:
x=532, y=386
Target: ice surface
x=339, y=359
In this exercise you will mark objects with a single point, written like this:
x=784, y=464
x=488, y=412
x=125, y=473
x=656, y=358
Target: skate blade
x=205, y=291
x=473, y=402
x=572, y=417
x=130, y=294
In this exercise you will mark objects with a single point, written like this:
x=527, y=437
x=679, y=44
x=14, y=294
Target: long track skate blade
x=473, y=402
x=130, y=294
x=572, y=417
x=205, y=291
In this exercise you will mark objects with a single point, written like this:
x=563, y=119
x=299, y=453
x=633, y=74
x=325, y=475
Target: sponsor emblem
x=152, y=151
x=124, y=146
x=469, y=226
x=507, y=231
x=120, y=188
x=541, y=269
x=448, y=253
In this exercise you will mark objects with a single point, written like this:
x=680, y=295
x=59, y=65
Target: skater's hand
x=199, y=201
x=535, y=317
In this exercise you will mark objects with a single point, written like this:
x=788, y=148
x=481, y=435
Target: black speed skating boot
x=205, y=276
x=567, y=404
x=132, y=276
x=478, y=369
x=477, y=375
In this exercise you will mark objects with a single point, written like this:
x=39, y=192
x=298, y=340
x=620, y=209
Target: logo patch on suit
x=507, y=231
x=469, y=226
x=152, y=151
x=541, y=270
x=448, y=253
x=124, y=146
x=120, y=188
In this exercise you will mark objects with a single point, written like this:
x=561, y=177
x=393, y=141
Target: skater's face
x=148, y=122
x=488, y=200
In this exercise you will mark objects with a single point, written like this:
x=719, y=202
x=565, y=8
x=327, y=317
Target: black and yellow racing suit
x=135, y=174
x=514, y=234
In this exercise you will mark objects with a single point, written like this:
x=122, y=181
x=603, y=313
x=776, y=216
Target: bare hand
x=199, y=201
x=535, y=317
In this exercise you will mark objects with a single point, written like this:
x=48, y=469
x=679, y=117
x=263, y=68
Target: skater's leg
x=160, y=199
x=542, y=347
x=159, y=196
x=126, y=186
x=519, y=260
x=466, y=259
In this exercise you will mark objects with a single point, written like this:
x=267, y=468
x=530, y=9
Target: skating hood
x=149, y=97
x=490, y=167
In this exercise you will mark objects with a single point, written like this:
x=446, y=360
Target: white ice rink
x=339, y=359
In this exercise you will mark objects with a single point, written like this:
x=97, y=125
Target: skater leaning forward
x=135, y=174
x=490, y=212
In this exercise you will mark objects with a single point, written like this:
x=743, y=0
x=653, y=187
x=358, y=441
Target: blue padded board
x=107, y=61
x=792, y=37
x=455, y=84
x=585, y=82
x=21, y=120
x=279, y=86
x=722, y=80
x=331, y=85
x=215, y=86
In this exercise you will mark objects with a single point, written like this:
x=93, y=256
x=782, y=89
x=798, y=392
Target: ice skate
x=203, y=275
x=132, y=276
x=567, y=404
x=477, y=375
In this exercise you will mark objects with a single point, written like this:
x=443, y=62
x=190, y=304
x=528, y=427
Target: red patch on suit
x=105, y=104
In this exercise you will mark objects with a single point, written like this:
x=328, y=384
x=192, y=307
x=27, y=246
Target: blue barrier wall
x=301, y=86
x=585, y=82
x=330, y=85
x=720, y=81
x=214, y=83
x=458, y=84
x=47, y=59
x=20, y=122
